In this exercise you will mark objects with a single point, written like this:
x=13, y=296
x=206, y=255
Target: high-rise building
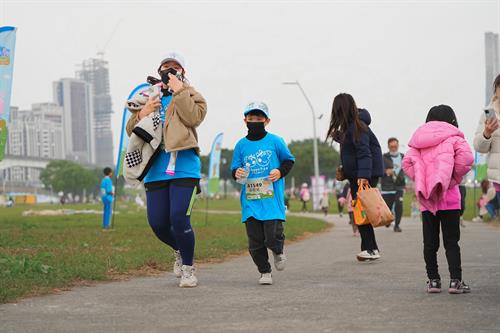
x=491, y=60
x=75, y=98
x=95, y=72
x=35, y=133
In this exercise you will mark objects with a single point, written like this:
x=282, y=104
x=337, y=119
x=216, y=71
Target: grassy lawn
x=296, y=205
x=40, y=254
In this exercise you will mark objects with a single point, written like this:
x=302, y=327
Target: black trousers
x=263, y=235
x=463, y=195
x=449, y=221
x=396, y=200
x=368, y=241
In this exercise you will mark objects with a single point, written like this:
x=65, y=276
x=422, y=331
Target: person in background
x=305, y=196
x=348, y=202
x=339, y=186
x=107, y=194
x=393, y=181
x=324, y=202
x=487, y=202
x=463, y=195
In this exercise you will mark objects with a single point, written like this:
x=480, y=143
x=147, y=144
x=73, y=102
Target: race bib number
x=257, y=189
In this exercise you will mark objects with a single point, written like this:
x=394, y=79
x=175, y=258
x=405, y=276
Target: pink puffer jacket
x=438, y=159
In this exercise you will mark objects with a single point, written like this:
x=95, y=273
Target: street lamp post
x=315, y=140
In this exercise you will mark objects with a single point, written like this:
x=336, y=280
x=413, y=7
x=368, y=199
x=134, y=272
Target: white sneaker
x=376, y=254
x=188, y=280
x=279, y=261
x=477, y=219
x=266, y=279
x=177, y=264
x=368, y=255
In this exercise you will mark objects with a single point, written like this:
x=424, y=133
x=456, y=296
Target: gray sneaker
x=279, y=261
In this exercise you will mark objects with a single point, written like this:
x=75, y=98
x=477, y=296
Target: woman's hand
x=151, y=105
x=174, y=83
x=490, y=126
x=274, y=175
x=363, y=182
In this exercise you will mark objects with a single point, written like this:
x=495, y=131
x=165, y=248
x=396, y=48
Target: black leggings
x=368, y=241
x=449, y=221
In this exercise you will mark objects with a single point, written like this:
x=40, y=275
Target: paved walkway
x=323, y=289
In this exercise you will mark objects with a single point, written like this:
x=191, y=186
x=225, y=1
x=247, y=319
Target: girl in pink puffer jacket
x=438, y=158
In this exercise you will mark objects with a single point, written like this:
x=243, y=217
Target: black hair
x=442, y=113
x=391, y=140
x=107, y=171
x=256, y=113
x=344, y=113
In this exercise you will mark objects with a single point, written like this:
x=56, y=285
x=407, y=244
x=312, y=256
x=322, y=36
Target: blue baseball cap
x=257, y=106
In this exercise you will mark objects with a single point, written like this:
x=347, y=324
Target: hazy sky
x=397, y=58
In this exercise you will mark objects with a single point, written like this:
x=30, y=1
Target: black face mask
x=164, y=74
x=256, y=129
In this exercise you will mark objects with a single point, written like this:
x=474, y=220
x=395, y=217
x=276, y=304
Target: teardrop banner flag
x=7, y=51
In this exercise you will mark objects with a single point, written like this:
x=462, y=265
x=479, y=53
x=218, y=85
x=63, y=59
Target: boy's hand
x=240, y=173
x=274, y=175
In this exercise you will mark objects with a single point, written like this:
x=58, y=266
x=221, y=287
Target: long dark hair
x=344, y=113
x=496, y=84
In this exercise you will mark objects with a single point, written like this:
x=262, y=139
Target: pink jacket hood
x=438, y=159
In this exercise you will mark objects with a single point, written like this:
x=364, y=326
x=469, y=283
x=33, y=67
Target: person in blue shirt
x=261, y=160
x=173, y=177
x=107, y=194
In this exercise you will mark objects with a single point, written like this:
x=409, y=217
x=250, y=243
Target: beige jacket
x=489, y=146
x=184, y=114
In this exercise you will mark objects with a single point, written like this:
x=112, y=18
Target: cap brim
x=257, y=110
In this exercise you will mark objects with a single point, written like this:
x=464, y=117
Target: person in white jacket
x=487, y=139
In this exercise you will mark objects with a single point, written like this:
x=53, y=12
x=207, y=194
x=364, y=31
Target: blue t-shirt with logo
x=106, y=189
x=188, y=164
x=260, y=198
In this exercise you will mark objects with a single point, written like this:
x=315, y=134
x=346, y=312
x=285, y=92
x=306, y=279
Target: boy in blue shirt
x=261, y=160
x=107, y=197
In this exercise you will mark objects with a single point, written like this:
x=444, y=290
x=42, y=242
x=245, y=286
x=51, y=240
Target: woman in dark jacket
x=361, y=158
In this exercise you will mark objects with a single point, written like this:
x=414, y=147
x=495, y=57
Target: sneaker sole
x=188, y=286
x=361, y=259
x=433, y=291
x=456, y=291
x=265, y=283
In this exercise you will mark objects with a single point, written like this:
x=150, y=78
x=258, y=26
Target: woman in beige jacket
x=172, y=176
x=487, y=139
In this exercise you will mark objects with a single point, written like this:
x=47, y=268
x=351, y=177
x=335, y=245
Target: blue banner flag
x=122, y=149
x=7, y=51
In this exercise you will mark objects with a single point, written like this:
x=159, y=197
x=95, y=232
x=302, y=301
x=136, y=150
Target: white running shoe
x=367, y=256
x=177, y=264
x=188, y=280
x=376, y=254
x=266, y=279
x=279, y=261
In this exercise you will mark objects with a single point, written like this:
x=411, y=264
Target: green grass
x=39, y=254
x=296, y=205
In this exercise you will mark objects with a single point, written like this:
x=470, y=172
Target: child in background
x=324, y=203
x=486, y=202
x=438, y=159
x=415, y=208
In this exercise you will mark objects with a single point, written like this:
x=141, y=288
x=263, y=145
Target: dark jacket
x=361, y=158
x=390, y=183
